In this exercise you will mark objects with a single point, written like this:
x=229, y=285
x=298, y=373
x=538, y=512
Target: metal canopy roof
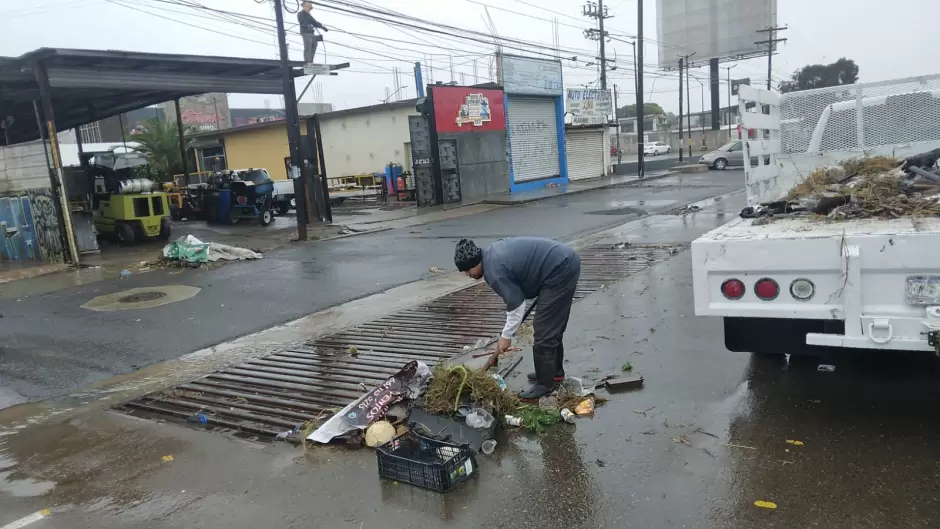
x=88, y=85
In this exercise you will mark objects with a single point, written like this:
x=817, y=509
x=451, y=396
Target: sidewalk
x=579, y=186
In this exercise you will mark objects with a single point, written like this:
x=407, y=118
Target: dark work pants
x=310, y=46
x=551, y=320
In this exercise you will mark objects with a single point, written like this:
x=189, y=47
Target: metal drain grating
x=268, y=395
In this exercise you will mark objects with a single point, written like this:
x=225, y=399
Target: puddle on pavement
x=19, y=487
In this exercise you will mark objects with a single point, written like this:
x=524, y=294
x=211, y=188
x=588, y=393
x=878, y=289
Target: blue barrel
x=224, y=207
x=392, y=172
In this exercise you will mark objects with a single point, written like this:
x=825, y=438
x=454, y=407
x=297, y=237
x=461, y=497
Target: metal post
x=293, y=125
x=636, y=86
x=714, y=76
x=70, y=249
x=419, y=83
x=728, y=68
x=617, y=119
x=641, y=163
x=321, y=165
x=681, y=155
x=603, y=37
x=688, y=100
x=123, y=136
x=179, y=132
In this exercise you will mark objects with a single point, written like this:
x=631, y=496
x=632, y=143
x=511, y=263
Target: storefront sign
x=528, y=76
x=464, y=109
x=588, y=106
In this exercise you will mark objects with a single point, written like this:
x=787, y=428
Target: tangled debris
x=452, y=386
x=876, y=187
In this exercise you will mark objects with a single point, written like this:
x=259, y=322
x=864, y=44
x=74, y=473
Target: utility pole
x=419, y=82
x=770, y=42
x=641, y=163
x=688, y=101
x=598, y=11
x=728, y=71
x=617, y=119
x=293, y=126
x=681, y=65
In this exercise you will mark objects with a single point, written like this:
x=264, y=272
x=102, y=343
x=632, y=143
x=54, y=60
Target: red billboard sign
x=462, y=109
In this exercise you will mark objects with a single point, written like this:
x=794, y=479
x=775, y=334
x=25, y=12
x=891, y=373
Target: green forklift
x=127, y=209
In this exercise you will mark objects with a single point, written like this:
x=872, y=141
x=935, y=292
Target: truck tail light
x=766, y=289
x=732, y=289
x=802, y=289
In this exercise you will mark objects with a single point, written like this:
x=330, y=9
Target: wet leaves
x=765, y=504
x=794, y=442
x=167, y=459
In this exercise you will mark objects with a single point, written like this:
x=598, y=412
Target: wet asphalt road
x=52, y=345
x=712, y=440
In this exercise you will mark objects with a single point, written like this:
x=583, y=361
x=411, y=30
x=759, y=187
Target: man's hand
x=324, y=28
x=503, y=345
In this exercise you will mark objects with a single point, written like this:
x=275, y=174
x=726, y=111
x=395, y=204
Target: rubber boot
x=545, y=369
x=559, y=367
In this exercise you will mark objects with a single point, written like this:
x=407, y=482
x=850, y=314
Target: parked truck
x=800, y=284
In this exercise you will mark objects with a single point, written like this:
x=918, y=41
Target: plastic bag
x=480, y=418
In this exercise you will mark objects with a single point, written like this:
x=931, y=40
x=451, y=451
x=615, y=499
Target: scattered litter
x=643, y=412
x=682, y=439
x=512, y=420
x=549, y=402
x=576, y=386
x=408, y=383
x=685, y=210
x=794, y=442
x=499, y=381
x=765, y=504
x=379, y=433
x=627, y=366
x=568, y=416
x=167, y=459
x=198, y=418
x=729, y=445
x=287, y=433
x=601, y=463
x=585, y=407
x=826, y=368
x=188, y=249
x=352, y=350
x=436, y=270
x=488, y=446
x=125, y=273
x=624, y=383
x=480, y=418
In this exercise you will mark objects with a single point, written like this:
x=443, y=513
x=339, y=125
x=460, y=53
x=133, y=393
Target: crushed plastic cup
x=488, y=446
x=480, y=418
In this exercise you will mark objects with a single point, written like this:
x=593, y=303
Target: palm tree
x=160, y=142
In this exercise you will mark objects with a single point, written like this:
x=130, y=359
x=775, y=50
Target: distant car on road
x=728, y=155
x=656, y=148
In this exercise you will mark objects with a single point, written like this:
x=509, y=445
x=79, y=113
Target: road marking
x=23, y=522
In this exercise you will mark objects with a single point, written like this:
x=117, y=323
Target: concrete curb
x=515, y=202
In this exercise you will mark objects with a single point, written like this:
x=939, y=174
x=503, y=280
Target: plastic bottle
x=568, y=416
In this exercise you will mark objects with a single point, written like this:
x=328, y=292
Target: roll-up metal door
x=533, y=137
x=585, y=149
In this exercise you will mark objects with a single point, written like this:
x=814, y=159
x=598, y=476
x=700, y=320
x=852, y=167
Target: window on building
x=91, y=133
x=212, y=159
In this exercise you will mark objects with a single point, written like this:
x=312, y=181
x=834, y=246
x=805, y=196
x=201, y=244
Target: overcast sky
x=884, y=39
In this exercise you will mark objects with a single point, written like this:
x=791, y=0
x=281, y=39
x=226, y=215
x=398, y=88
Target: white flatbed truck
x=800, y=285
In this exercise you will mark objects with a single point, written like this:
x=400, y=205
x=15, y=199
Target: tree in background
x=843, y=71
x=649, y=109
x=160, y=141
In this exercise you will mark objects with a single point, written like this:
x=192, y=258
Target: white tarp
x=192, y=250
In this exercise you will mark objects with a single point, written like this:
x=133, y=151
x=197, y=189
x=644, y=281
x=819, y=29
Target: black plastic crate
x=436, y=465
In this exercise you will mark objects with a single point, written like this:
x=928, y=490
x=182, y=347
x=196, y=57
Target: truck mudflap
x=873, y=331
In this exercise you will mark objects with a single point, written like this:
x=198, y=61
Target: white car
x=656, y=148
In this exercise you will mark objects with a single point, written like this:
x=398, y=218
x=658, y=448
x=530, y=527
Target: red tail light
x=767, y=289
x=732, y=289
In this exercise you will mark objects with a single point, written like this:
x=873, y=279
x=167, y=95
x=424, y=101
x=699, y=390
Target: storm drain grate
x=271, y=394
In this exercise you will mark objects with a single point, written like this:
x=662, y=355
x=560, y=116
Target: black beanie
x=467, y=255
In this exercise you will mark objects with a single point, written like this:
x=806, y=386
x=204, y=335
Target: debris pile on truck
x=859, y=188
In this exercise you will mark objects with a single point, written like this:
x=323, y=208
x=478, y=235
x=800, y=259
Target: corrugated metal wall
x=533, y=137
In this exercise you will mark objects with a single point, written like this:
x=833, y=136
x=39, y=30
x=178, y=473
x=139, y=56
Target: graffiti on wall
x=30, y=227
